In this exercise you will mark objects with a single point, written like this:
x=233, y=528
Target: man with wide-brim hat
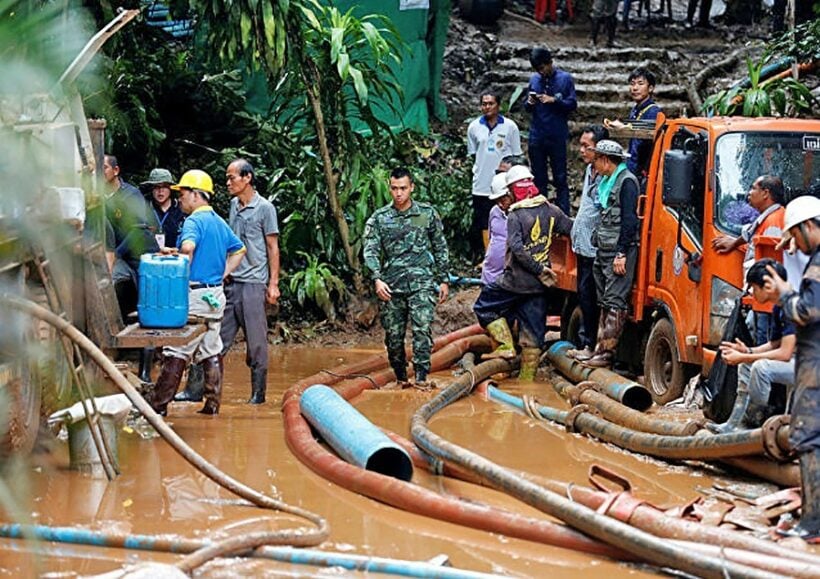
x=165, y=206
x=616, y=238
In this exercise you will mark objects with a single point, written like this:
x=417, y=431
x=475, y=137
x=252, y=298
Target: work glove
x=548, y=277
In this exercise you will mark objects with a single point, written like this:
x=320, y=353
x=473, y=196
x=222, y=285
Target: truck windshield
x=740, y=158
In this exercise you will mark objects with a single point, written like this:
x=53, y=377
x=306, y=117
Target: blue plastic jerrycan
x=163, y=291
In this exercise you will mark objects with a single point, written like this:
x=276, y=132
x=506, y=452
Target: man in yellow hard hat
x=215, y=251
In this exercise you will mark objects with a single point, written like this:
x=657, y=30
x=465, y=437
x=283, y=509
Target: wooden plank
x=134, y=336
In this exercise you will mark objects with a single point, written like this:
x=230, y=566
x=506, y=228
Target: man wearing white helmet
x=521, y=292
x=497, y=247
x=802, y=223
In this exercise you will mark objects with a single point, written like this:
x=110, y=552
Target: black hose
x=640, y=543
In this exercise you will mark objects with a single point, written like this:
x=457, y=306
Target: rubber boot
x=587, y=353
x=499, y=331
x=529, y=363
x=167, y=384
x=212, y=369
x=194, y=386
x=146, y=363
x=259, y=385
x=808, y=528
x=738, y=412
x=608, y=335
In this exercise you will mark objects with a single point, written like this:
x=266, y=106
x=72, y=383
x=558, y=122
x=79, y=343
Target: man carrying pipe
x=802, y=223
x=522, y=291
x=406, y=253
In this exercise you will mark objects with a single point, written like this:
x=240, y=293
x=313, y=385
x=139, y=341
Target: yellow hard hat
x=195, y=179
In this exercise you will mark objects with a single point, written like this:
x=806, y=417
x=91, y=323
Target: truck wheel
x=481, y=11
x=665, y=374
x=571, y=320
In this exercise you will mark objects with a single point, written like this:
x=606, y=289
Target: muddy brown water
x=158, y=492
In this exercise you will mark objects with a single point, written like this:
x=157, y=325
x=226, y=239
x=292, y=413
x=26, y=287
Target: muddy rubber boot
x=167, y=384
x=808, y=528
x=146, y=363
x=529, y=363
x=213, y=385
x=259, y=385
x=738, y=412
x=194, y=386
x=587, y=353
x=499, y=331
x=608, y=335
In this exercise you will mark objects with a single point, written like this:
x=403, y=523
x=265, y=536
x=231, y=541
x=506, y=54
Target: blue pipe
x=551, y=414
x=625, y=391
x=458, y=280
x=78, y=536
x=351, y=435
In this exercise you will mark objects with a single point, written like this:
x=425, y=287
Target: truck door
x=672, y=250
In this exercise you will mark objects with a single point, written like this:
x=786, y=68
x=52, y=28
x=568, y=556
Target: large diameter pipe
x=352, y=435
x=623, y=414
x=78, y=536
x=618, y=534
x=627, y=392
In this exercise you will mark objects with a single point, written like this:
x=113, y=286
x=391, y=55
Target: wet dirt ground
x=158, y=492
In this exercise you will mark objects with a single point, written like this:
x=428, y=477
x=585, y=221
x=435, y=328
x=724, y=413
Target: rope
x=350, y=376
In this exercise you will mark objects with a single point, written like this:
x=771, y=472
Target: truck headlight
x=723, y=300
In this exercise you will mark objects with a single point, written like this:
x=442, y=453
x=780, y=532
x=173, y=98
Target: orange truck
x=684, y=291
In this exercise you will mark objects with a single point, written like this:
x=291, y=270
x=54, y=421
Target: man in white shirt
x=490, y=138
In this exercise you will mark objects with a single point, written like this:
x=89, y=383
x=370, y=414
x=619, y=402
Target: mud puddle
x=159, y=493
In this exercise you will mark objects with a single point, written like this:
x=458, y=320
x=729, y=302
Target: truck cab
x=684, y=291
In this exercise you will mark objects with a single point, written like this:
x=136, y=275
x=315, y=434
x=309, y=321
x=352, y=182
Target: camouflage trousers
x=419, y=308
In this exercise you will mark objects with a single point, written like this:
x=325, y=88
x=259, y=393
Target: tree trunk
x=332, y=194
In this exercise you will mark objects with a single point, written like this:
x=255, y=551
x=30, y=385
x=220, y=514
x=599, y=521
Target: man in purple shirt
x=551, y=100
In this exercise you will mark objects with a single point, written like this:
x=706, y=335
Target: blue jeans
x=553, y=151
x=588, y=301
x=529, y=309
x=761, y=374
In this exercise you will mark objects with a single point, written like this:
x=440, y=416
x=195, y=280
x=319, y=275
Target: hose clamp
x=577, y=390
x=575, y=412
x=771, y=447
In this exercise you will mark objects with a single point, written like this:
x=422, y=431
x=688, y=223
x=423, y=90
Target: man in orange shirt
x=766, y=195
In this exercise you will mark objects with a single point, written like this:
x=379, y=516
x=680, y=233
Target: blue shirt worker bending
x=215, y=251
x=406, y=253
x=802, y=306
x=551, y=100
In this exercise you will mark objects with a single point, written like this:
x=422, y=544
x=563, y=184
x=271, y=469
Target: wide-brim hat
x=159, y=177
x=611, y=148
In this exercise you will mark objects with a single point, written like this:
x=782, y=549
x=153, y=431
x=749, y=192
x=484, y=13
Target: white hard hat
x=518, y=173
x=799, y=210
x=499, y=186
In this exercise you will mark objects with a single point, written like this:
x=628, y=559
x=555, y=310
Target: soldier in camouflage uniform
x=802, y=306
x=406, y=253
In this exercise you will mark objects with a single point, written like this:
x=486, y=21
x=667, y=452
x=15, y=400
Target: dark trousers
x=245, y=308
x=481, y=217
x=588, y=300
x=529, y=309
x=554, y=152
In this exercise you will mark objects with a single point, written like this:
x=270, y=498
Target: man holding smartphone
x=551, y=100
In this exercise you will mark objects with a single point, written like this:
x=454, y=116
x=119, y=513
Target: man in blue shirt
x=215, y=251
x=550, y=100
x=763, y=365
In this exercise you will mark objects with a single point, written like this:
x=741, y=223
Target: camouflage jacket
x=406, y=249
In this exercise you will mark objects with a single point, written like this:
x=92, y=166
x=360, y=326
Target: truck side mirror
x=678, y=169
